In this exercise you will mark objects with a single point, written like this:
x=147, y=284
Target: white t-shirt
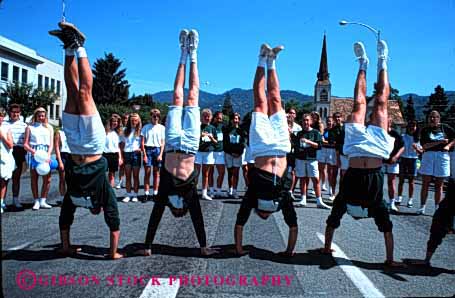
x=295, y=128
x=64, y=144
x=17, y=130
x=39, y=135
x=112, y=141
x=153, y=134
x=132, y=142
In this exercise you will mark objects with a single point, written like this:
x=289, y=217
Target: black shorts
x=89, y=180
x=19, y=155
x=408, y=167
x=290, y=159
x=112, y=161
x=261, y=184
x=362, y=187
x=133, y=159
x=64, y=156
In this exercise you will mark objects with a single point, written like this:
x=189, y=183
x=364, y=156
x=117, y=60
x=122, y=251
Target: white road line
x=164, y=290
x=22, y=246
x=360, y=280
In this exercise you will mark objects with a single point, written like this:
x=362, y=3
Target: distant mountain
x=242, y=100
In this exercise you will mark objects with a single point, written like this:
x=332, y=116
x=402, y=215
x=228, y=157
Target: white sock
x=184, y=56
x=303, y=198
x=81, y=52
x=382, y=65
x=231, y=190
x=363, y=64
x=330, y=191
x=146, y=193
x=204, y=192
x=422, y=207
x=319, y=201
x=193, y=56
x=271, y=63
x=70, y=52
x=155, y=192
x=262, y=62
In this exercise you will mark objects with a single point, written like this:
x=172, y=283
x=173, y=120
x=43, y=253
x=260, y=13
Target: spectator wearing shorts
x=306, y=144
x=326, y=155
x=121, y=172
x=7, y=163
x=294, y=128
x=39, y=136
x=408, y=161
x=234, y=145
x=218, y=156
x=130, y=144
x=17, y=127
x=436, y=139
x=112, y=147
x=391, y=165
x=153, y=135
x=332, y=166
x=204, y=156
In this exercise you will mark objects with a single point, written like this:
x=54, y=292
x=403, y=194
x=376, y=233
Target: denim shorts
x=183, y=129
x=132, y=159
x=152, y=155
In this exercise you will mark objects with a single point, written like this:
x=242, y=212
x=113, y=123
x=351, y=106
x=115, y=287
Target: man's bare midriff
x=365, y=162
x=84, y=159
x=179, y=165
x=271, y=164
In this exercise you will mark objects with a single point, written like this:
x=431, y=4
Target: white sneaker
x=360, y=53
x=119, y=185
x=383, y=50
x=301, y=203
x=36, y=205
x=324, y=187
x=421, y=211
x=322, y=205
x=332, y=198
x=126, y=199
x=398, y=200
x=275, y=51
x=265, y=50
x=134, y=199
x=393, y=207
x=311, y=192
x=43, y=204
x=193, y=40
x=206, y=197
x=410, y=203
x=183, y=38
x=17, y=204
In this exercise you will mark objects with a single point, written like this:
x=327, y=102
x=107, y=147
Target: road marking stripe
x=22, y=246
x=164, y=290
x=360, y=280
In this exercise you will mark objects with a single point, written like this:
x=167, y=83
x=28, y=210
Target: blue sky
x=144, y=35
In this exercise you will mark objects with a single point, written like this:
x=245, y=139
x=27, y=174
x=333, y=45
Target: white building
x=19, y=63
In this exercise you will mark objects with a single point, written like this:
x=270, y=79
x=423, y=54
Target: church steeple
x=323, y=73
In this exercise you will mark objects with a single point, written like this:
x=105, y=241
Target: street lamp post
x=377, y=33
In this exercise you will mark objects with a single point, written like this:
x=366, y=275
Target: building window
x=57, y=112
x=4, y=71
x=325, y=112
x=51, y=111
x=15, y=74
x=46, y=83
x=52, y=85
x=324, y=95
x=320, y=111
x=24, y=76
x=58, y=87
x=40, y=81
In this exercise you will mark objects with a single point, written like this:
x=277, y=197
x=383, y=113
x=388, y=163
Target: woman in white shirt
x=112, y=148
x=153, y=135
x=7, y=163
x=130, y=144
x=39, y=136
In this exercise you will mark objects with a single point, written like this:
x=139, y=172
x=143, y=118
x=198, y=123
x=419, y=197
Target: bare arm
x=27, y=146
x=51, y=142
x=433, y=144
x=7, y=139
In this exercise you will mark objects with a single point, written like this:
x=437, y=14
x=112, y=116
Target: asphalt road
x=31, y=268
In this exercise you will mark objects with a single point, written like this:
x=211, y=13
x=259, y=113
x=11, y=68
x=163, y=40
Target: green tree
x=409, y=110
x=438, y=101
x=227, y=106
x=28, y=97
x=109, y=83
